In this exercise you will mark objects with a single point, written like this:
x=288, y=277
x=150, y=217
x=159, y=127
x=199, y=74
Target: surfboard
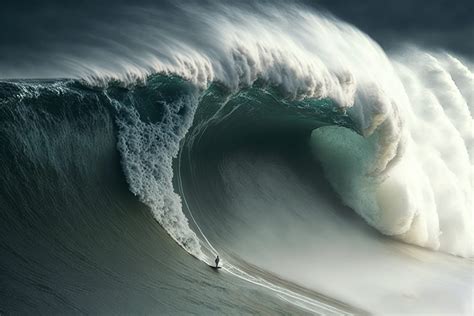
x=214, y=267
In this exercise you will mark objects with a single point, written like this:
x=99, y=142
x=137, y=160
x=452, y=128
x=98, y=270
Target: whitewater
x=315, y=163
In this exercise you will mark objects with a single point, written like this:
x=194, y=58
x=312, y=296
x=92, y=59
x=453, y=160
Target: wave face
x=268, y=181
x=243, y=133
x=74, y=239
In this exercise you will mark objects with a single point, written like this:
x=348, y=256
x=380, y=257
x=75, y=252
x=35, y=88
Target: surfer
x=217, y=261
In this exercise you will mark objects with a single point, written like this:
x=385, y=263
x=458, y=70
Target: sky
x=437, y=24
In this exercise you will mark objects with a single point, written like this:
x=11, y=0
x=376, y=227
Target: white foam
x=147, y=151
x=421, y=191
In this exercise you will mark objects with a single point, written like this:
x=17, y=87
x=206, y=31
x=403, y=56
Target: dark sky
x=447, y=24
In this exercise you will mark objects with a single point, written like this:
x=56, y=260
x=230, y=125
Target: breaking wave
x=385, y=167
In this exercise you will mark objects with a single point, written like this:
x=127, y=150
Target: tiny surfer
x=217, y=261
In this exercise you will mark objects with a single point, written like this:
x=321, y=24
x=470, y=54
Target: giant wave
x=401, y=183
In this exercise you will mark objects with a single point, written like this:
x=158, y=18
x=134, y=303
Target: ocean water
x=331, y=177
